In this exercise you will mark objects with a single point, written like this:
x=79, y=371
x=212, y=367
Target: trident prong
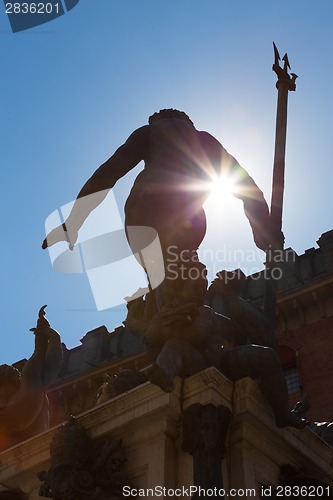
x=276, y=54
x=286, y=62
x=282, y=73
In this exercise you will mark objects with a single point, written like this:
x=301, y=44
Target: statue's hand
x=279, y=239
x=60, y=233
x=270, y=239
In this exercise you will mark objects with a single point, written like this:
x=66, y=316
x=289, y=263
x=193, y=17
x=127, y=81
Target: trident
x=284, y=84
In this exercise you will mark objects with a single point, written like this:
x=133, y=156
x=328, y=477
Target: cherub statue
x=323, y=429
x=24, y=407
x=118, y=383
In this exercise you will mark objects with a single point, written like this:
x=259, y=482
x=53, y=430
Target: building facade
x=208, y=432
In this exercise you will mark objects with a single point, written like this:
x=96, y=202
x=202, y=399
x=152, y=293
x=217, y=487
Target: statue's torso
x=174, y=174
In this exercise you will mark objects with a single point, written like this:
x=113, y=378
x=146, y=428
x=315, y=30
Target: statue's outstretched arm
x=97, y=187
x=122, y=161
x=244, y=188
x=255, y=208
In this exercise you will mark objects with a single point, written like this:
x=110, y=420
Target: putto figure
x=181, y=165
x=24, y=408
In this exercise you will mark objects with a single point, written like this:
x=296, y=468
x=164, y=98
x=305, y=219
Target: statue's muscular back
x=169, y=193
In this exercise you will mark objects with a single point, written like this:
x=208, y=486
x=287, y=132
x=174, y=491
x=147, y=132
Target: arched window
x=290, y=369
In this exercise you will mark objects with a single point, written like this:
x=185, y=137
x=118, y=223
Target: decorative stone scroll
x=83, y=468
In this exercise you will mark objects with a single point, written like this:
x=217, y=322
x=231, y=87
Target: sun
x=222, y=189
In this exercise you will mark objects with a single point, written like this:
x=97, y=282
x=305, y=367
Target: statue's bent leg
x=180, y=235
x=177, y=358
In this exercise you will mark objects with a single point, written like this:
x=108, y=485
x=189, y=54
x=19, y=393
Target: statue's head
x=9, y=382
x=166, y=114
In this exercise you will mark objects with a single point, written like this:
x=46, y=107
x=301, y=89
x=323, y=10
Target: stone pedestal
x=150, y=424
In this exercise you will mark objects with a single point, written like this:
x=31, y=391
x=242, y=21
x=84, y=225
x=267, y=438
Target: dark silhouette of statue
x=183, y=335
x=252, y=325
x=181, y=163
x=24, y=409
x=186, y=336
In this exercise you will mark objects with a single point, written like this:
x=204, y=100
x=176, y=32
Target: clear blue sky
x=75, y=88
